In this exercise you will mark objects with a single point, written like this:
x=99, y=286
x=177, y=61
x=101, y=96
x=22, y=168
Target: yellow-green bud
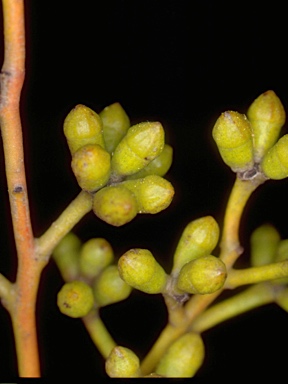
x=122, y=362
x=115, y=205
x=115, y=125
x=95, y=255
x=281, y=255
x=267, y=116
x=233, y=136
x=159, y=166
x=109, y=287
x=75, y=299
x=199, y=238
x=282, y=299
x=142, y=144
x=204, y=275
x=264, y=243
x=139, y=269
x=275, y=162
x=91, y=167
x=282, y=251
x=153, y=193
x=66, y=256
x=83, y=126
x=183, y=358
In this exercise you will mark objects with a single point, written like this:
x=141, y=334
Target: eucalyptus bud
x=115, y=204
x=66, y=256
x=199, y=238
x=159, y=166
x=142, y=144
x=83, y=126
x=115, y=125
x=264, y=243
x=275, y=162
x=75, y=299
x=204, y=275
x=109, y=288
x=122, y=362
x=139, y=269
x=233, y=136
x=95, y=255
x=91, y=167
x=267, y=116
x=183, y=358
x=153, y=193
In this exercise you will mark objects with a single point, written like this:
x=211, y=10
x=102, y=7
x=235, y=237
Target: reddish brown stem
x=22, y=308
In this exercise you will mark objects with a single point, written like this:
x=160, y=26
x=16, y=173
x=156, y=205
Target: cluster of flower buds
x=92, y=278
x=252, y=142
x=195, y=270
x=121, y=165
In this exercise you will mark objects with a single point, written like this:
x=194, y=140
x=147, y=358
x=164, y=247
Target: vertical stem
x=230, y=245
x=29, y=269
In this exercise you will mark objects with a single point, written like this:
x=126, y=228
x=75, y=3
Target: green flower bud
x=91, y=167
x=115, y=205
x=282, y=251
x=153, y=193
x=281, y=255
x=140, y=270
x=142, y=144
x=159, y=166
x=199, y=238
x=233, y=136
x=95, y=255
x=267, y=116
x=115, y=125
x=122, y=362
x=282, y=299
x=204, y=275
x=66, y=256
x=75, y=299
x=275, y=162
x=264, y=243
x=109, y=288
x=183, y=358
x=83, y=126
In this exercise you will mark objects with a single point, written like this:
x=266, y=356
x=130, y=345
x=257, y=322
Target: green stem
x=251, y=298
x=254, y=275
x=99, y=333
x=65, y=222
x=230, y=244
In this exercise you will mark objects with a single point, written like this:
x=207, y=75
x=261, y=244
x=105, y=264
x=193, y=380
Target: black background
x=178, y=62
